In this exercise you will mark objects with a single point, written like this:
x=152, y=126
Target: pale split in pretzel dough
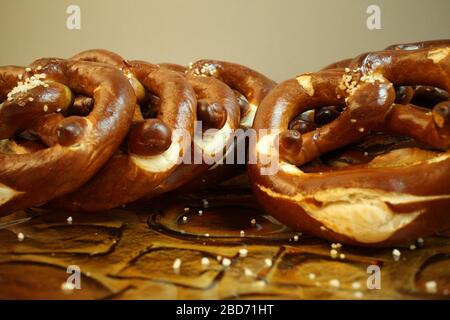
x=214, y=141
x=247, y=119
x=438, y=54
x=360, y=214
x=7, y=193
x=162, y=162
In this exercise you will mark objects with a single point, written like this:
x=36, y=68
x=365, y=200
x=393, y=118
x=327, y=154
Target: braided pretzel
x=395, y=197
x=154, y=145
x=72, y=148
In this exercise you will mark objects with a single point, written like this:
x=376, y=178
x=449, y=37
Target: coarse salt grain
x=226, y=262
x=335, y=283
x=253, y=221
x=356, y=285
x=205, y=261
x=69, y=220
x=312, y=276
x=431, y=286
x=333, y=253
x=243, y=252
x=248, y=272
x=20, y=236
x=268, y=262
x=67, y=287
x=396, y=254
x=242, y=233
x=176, y=264
x=358, y=294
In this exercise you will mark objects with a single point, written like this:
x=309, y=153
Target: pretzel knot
x=398, y=187
x=158, y=139
x=47, y=149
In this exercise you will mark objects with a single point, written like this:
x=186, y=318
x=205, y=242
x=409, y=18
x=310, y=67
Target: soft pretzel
x=393, y=197
x=72, y=148
x=155, y=146
x=218, y=117
x=250, y=86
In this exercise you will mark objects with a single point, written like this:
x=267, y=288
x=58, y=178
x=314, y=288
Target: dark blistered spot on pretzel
x=36, y=102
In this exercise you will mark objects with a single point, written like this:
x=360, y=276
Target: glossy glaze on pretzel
x=251, y=86
x=71, y=149
x=394, y=197
x=219, y=114
x=155, y=146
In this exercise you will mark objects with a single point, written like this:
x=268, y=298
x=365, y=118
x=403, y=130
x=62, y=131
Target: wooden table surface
x=129, y=253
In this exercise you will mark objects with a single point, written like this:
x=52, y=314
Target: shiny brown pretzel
x=250, y=86
x=395, y=197
x=217, y=109
x=71, y=149
x=154, y=145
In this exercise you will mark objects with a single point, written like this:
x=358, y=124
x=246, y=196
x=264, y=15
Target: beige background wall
x=280, y=38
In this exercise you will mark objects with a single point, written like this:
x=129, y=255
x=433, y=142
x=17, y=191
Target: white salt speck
x=268, y=262
x=205, y=261
x=20, y=236
x=243, y=252
x=69, y=220
x=335, y=283
x=67, y=287
x=356, y=285
x=396, y=254
x=226, y=262
x=176, y=264
x=248, y=272
x=431, y=286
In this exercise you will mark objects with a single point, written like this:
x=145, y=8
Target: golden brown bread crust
x=384, y=201
x=83, y=144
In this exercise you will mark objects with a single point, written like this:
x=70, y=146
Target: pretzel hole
x=419, y=95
